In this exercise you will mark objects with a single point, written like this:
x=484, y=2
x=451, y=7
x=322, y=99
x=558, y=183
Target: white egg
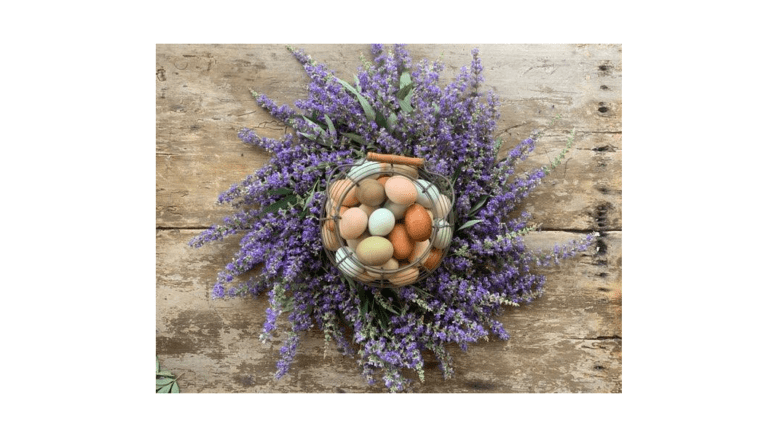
x=427, y=193
x=347, y=262
x=442, y=234
x=442, y=206
x=381, y=222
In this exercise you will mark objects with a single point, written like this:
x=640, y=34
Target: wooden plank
x=203, y=102
x=569, y=340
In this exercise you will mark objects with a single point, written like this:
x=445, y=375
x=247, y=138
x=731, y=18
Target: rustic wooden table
x=569, y=340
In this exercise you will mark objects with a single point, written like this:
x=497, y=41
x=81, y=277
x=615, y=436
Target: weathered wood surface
x=567, y=341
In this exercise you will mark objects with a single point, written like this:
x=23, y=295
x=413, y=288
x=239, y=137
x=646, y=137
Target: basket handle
x=395, y=159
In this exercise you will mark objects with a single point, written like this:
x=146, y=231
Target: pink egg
x=353, y=223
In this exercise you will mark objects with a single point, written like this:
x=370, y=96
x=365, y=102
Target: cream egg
x=442, y=206
x=369, y=169
x=374, y=251
x=404, y=277
x=370, y=192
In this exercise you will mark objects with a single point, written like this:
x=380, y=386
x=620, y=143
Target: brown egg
x=401, y=241
x=374, y=251
x=346, y=189
x=435, y=256
x=329, y=239
x=383, y=180
x=418, y=223
x=353, y=223
x=401, y=190
x=370, y=192
x=418, y=251
x=407, y=170
x=404, y=277
x=330, y=223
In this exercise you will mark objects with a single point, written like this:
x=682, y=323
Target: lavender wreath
x=399, y=108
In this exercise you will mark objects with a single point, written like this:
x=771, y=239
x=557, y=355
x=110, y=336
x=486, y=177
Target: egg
x=370, y=169
x=401, y=190
x=347, y=262
x=368, y=209
x=404, y=277
x=329, y=238
x=374, y=251
x=381, y=222
x=353, y=223
x=431, y=214
x=434, y=258
x=370, y=192
x=441, y=206
x=442, y=237
x=383, y=180
x=397, y=209
x=418, y=223
x=419, y=251
x=331, y=220
x=343, y=189
x=427, y=193
x=389, y=266
x=407, y=170
x=402, y=243
x=353, y=243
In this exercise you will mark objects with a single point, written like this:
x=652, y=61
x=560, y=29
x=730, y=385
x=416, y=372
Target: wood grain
x=567, y=341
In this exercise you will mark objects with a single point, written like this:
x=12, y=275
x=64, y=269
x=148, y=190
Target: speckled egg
x=374, y=251
x=353, y=223
x=329, y=238
x=402, y=243
x=404, y=277
x=427, y=193
x=347, y=262
x=397, y=209
x=401, y=190
x=345, y=189
x=370, y=192
x=381, y=222
x=442, y=237
x=418, y=222
x=418, y=252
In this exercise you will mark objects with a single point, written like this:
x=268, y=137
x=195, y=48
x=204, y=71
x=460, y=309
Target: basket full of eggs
x=387, y=220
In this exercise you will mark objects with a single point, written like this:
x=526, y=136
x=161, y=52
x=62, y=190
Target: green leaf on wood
x=482, y=201
x=368, y=111
x=279, y=204
x=330, y=126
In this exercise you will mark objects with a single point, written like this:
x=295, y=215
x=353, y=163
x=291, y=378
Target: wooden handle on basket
x=395, y=159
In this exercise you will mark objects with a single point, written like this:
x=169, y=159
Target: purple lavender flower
x=278, y=206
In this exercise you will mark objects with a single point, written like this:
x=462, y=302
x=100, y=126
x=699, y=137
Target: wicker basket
x=434, y=190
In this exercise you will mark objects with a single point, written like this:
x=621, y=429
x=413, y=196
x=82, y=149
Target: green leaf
x=380, y=119
x=368, y=111
x=330, y=126
x=166, y=373
x=469, y=224
x=405, y=79
x=481, y=202
x=405, y=106
x=175, y=388
x=357, y=138
x=164, y=381
x=157, y=364
x=279, y=204
x=279, y=191
x=392, y=122
x=164, y=389
x=358, y=85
